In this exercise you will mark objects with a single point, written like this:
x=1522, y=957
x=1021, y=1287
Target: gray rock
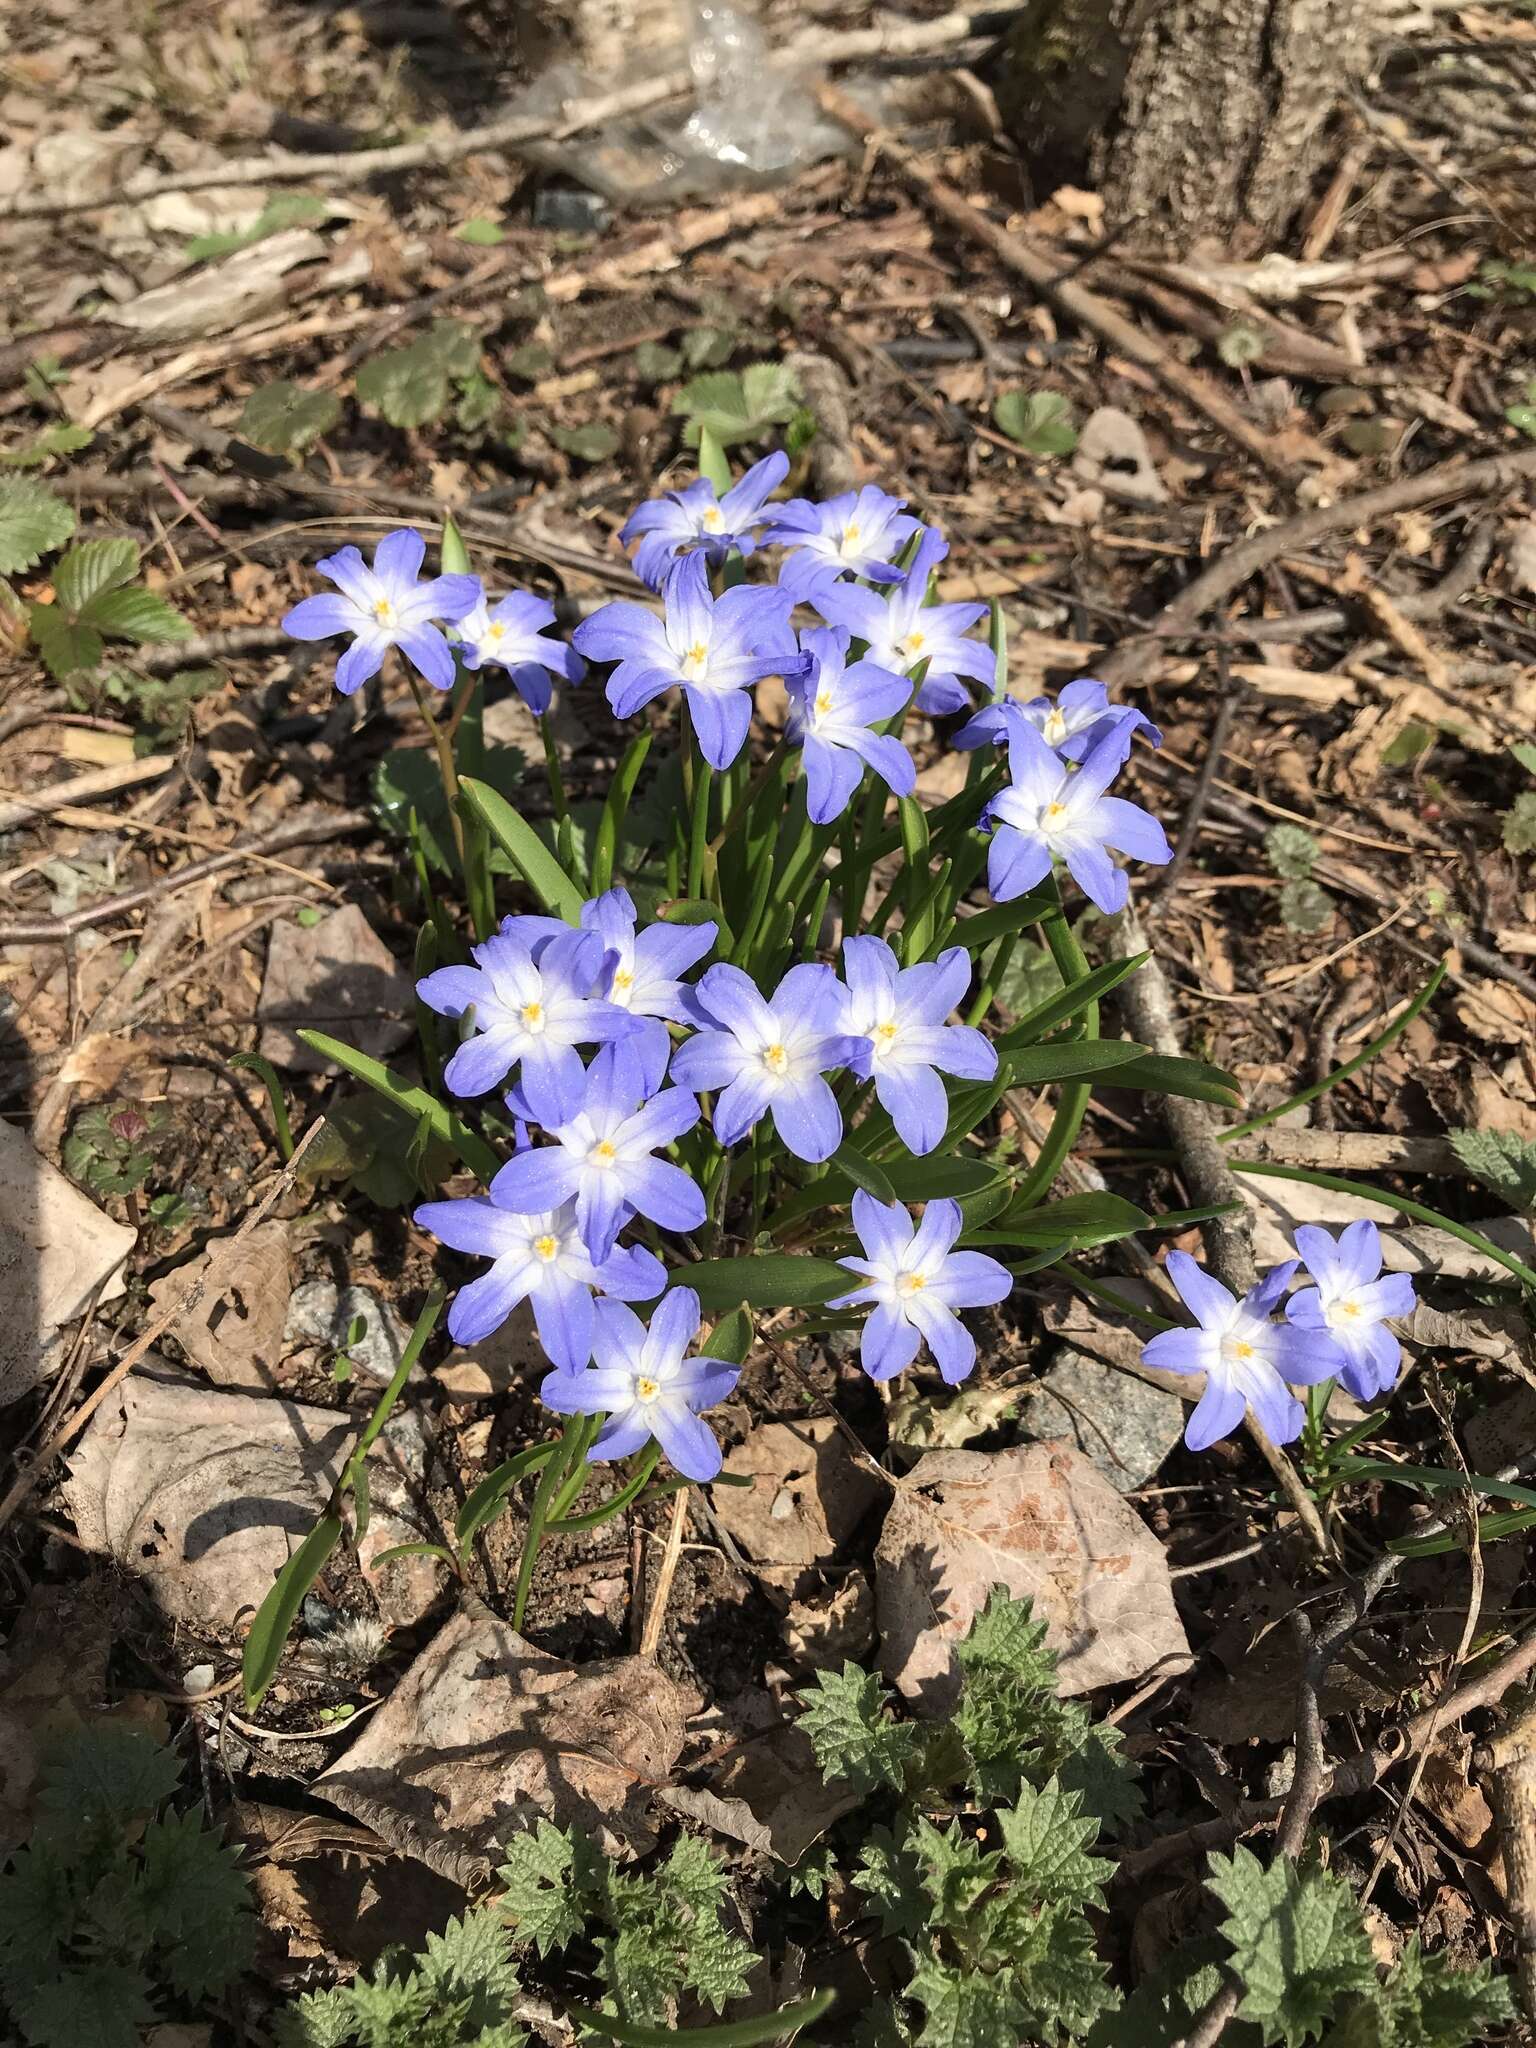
x=1121, y=1424
x=320, y=1312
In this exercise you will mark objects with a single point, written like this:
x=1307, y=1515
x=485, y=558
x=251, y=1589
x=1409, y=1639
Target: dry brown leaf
x=236, y=1336
x=806, y=1498
x=1042, y=1521
x=58, y=1254
x=768, y=1794
x=830, y=1632
x=485, y=1735
x=1520, y=554
x=1112, y=452
x=338, y=977
x=202, y=1495
x=1497, y=1013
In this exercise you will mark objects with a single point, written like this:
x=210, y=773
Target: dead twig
x=56, y=931
x=1511, y=1778
x=1449, y=480
x=1024, y=260
x=82, y=789
x=657, y=1612
x=512, y=132
x=1205, y=781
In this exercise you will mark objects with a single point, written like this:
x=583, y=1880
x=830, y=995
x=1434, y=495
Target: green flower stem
x=578, y=1474
x=448, y=774
x=771, y=768
x=1362, y=1058
x=1420, y=1211
x=1002, y=960
x=552, y=764
x=628, y=1494
x=698, y=832
x=551, y=1479
x=1072, y=1103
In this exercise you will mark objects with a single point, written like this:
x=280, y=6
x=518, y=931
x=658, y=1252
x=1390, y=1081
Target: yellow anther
x=647, y=1389
x=775, y=1059
x=911, y=1283
x=532, y=1015
x=823, y=702
x=603, y=1153
x=546, y=1246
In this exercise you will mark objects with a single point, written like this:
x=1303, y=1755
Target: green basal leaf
x=764, y=1280
x=1075, y=1220
x=1071, y=1002
x=1157, y=1073
x=486, y=1500
x=862, y=1172
x=275, y=1616
x=525, y=849
x=473, y=1151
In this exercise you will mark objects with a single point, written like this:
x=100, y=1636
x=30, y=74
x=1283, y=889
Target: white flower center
x=1340, y=1314
x=1053, y=814
x=603, y=1153
x=850, y=537
x=533, y=1017
x=1053, y=727
x=908, y=1284
x=883, y=1036
x=1236, y=1351
x=546, y=1247
x=384, y=611
x=696, y=662
x=823, y=703
x=495, y=634
x=775, y=1058
x=623, y=981
x=647, y=1389
x=713, y=520
x=913, y=649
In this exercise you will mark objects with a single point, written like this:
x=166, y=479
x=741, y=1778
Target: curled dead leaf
x=1042, y=1521
x=485, y=1735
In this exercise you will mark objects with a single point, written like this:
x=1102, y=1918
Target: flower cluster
x=538, y=991
x=1335, y=1329
x=388, y=605
x=633, y=1068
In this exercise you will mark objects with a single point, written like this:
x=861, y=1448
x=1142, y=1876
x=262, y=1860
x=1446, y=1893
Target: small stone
x=1123, y=1426
x=320, y=1312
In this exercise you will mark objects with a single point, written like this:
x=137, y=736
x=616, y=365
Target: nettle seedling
x=120, y=1911
x=1305, y=906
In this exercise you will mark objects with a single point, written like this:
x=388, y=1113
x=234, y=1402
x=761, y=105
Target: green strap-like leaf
x=473, y=1151
x=525, y=849
x=773, y=2026
x=274, y=1617
x=766, y=1280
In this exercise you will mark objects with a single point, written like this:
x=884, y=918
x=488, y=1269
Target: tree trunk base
x=1191, y=117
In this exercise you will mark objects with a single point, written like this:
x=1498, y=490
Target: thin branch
x=1449, y=480
x=514, y=131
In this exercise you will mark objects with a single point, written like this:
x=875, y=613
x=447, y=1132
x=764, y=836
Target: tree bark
x=1191, y=117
